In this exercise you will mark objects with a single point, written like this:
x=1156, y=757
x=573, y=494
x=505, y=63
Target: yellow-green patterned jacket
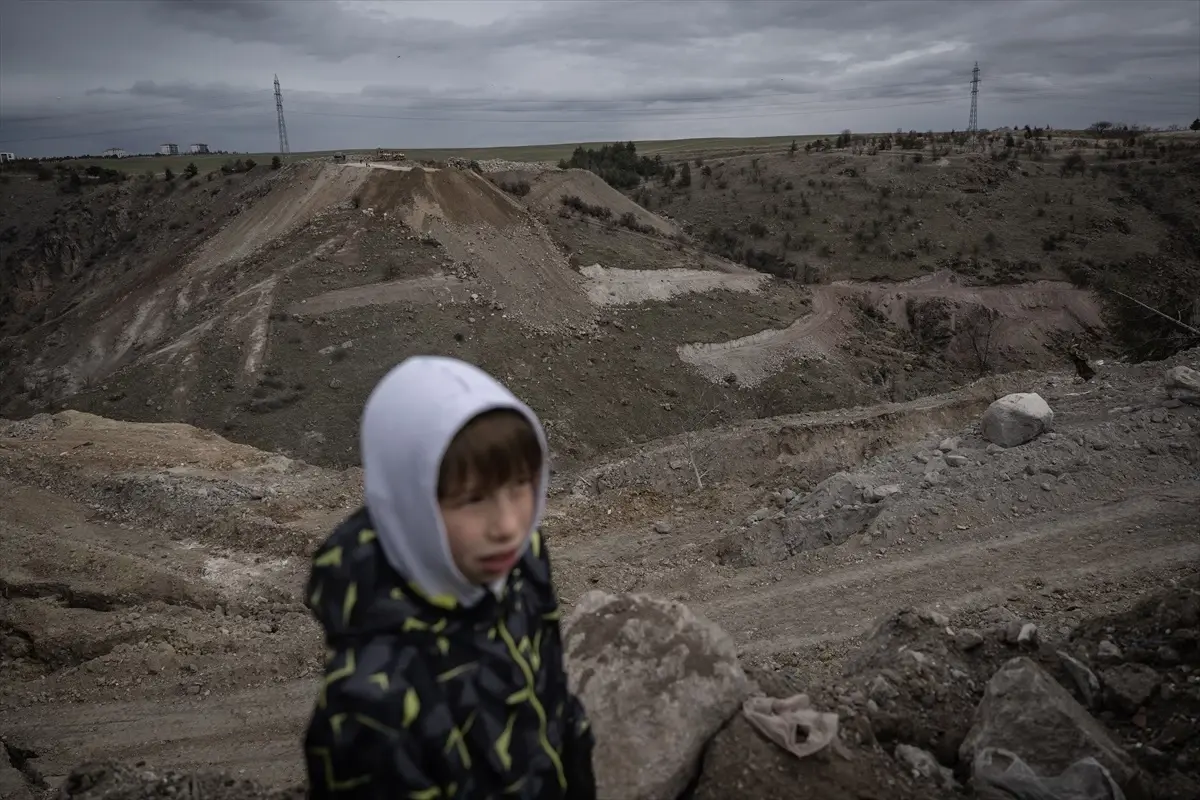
x=425, y=699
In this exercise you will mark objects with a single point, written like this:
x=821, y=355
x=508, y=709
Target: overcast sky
x=80, y=77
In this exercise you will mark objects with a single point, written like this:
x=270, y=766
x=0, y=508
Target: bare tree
x=1100, y=128
x=713, y=405
x=981, y=327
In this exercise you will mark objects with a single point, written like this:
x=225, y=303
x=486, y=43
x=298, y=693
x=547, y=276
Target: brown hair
x=495, y=448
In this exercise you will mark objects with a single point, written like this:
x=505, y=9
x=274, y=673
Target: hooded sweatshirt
x=435, y=687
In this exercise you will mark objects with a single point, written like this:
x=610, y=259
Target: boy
x=445, y=673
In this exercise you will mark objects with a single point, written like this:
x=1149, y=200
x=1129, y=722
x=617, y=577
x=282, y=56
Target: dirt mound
x=797, y=446
x=512, y=252
x=117, y=322
x=548, y=188
x=983, y=328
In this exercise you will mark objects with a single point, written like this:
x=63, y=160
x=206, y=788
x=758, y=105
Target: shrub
x=576, y=203
x=519, y=188
x=617, y=164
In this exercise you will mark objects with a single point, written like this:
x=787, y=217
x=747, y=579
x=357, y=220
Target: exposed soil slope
x=1018, y=323
x=547, y=188
x=272, y=320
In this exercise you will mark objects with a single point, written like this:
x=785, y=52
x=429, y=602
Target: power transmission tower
x=972, y=126
x=283, y=142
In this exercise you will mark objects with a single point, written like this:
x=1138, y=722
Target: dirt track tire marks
x=1153, y=531
x=258, y=731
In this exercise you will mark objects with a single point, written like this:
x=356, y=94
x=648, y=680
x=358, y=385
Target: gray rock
x=1107, y=651
x=956, y=459
x=1127, y=687
x=1028, y=635
x=948, y=444
x=1002, y=775
x=1016, y=419
x=662, y=526
x=924, y=765
x=934, y=616
x=1183, y=383
x=1082, y=676
x=1025, y=711
x=879, y=493
x=657, y=682
x=968, y=639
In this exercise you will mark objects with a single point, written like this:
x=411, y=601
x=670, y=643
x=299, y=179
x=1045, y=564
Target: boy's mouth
x=501, y=562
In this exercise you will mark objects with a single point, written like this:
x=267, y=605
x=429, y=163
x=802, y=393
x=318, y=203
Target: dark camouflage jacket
x=426, y=700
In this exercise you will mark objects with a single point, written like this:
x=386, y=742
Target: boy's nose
x=506, y=521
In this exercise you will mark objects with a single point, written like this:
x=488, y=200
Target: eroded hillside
x=265, y=304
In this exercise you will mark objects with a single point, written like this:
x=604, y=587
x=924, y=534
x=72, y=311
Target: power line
x=947, y=94
x=755, y=100
x=799, y=110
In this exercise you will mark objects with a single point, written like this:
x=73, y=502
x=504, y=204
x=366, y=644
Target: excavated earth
x=265, y=305
x=802, y=465
x=151, y=606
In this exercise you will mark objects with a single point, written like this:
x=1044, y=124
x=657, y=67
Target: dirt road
x=1128, y=545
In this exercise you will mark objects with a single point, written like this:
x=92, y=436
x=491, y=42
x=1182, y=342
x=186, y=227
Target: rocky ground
x=151, y=603
x=926, y=709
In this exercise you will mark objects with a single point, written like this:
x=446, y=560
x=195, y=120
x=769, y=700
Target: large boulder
x=1183, y=383
x=657, y=682
x=1016, y=419
x=1025, y=711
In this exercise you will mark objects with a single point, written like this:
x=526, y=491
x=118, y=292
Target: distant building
x=168, y=149
x=198, y=148
x=114, y=152
x=6, y=157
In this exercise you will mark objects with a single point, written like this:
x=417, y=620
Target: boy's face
x=486, y=530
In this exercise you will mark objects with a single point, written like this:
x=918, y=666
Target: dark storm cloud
x=491, y=72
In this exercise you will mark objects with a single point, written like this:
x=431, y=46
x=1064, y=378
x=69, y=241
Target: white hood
x=410, y=419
